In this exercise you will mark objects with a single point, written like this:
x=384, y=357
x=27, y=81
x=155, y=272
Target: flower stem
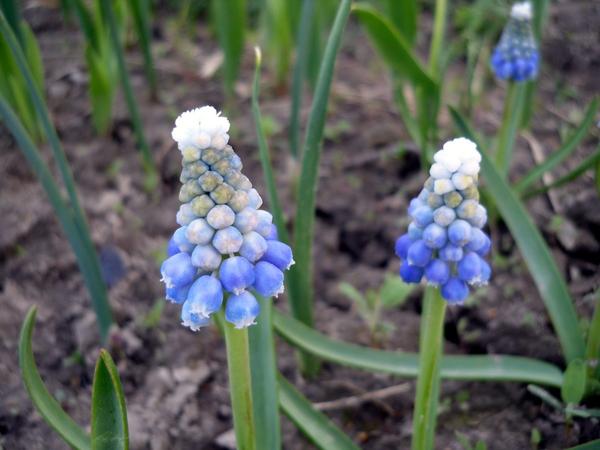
x=240, y=385
x=511, y=118
x=428, y=380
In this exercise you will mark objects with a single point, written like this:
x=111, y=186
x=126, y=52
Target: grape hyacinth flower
x=445, y=243
x=226, y=248
x=516, y=56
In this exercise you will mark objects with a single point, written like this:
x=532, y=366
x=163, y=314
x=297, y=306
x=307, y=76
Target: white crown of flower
x=201, y=128
x=521, y=11
x=458, y=155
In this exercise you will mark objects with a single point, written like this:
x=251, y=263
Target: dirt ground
x=175, y=381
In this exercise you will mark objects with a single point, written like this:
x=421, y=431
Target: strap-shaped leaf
x=592, y=445
x=404, y=14
x=563, y=152
x=392, y=46
x=314, y=424
x=46, y=405
x=109, y=413
x=230, y=24
x=534, y=250
x=484, y=368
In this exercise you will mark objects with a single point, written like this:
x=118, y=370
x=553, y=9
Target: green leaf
x=485, y=368
x=230, y=24
x=109, y=412
x=300, y=275
x=563, y=152
x=140, y=11
x=511, y=119
x=592, y=445
x=101, y=90
x=354, y=294
x=394, y=291
x=592, y=351
x=263, y=367
x=45, y=404
x=585, y=165
x=403, y=14
x=10, y=8
x=392, y=47
x=264, y=153
x=534, y=251
x=314, y=424
x=86, y=22
x=278, y=36
x=33, y=55
x=573, y=387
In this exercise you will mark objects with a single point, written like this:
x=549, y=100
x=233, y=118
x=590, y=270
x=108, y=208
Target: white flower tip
x=460, y=153
x=522, y=11
x=198, y=127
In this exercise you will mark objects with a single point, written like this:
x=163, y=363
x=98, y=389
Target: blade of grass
x=147, y=161
x=468, y=367
x=11, y=11
x=513, y=109
x=45, y=404
x=109, y=412
x=404, y=15
x=264, y=378
x=265, y=158
x=563, y=152
x=140, y=10
x=535, y=253
x=86, y=22
x=585, y=165
x=300, y=278
x=86, y=258
x=314, y=424
x=302, y=54
x=230, y=24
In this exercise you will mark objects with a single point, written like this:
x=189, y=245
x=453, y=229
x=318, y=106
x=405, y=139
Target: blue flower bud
x=434, y=235
x=265, y=220
x=193, y=321
x=451, y=252
x=419, y=254
x=455, y=290
x=180, y=239
x=268, y=279
x=221, y=216
x=437, y=272
x=253, y=247
x=236, y=274
x=254, y=199
x=469, y=268
x=205, y=296
x=246, y=220
x=459, y=232
x=486, y=273
x=402, y=244
x=278, y=254
x=242, y=310
x=273, y=234
x=417, y=202
x=409, y=273
x=177, y=294
x=423, y=216
x=172, y=248
x=478, y=241
x=444, y=216
x=199, y=232
x=414, y=231
x=206, y=258
x=228, y=240
x=177, y=270
x=185, y=214
x=238, y=201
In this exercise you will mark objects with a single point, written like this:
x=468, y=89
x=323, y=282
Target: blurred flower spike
x=516, y=56
x=226, y=249
x=445, y=243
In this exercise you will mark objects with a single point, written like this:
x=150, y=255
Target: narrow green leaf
x=264, y=153
x=33, y=55
x=302, y=55
x=86, y=22
x=140, y=11
x=592, y=445
x=592, y=351
x=511, y=119
x=46, y=405
x=585, y=165
x=392, y=47
x=573, y=388
x=101, y=90
x=264, y=378
x=230, y=24
x=535, y=252
x=483, y=368
x=353, y=294
x=394, y=291
x=109, y=412
x=563, y=152
x=278, y=36
x=300, y=275
x=403, y=14
x=10, y=9
x=314, y=424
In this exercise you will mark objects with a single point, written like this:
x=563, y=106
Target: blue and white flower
x=445, y=243
x=226, y=249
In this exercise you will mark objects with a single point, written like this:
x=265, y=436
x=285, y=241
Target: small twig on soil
x=357, y=400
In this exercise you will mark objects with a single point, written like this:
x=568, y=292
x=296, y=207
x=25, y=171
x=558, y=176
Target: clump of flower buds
x=226, y=248
x=516, y=56
x=445, y=243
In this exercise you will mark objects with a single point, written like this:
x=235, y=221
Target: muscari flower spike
x=516, y=56
x=226, y=248
x=445, y=243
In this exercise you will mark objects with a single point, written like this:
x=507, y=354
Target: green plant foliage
x=45, y=404
x=314, y=424
x=140, y=12
x=277, y=23
x=229, y=18
x=573, y=387
x=109, y=412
